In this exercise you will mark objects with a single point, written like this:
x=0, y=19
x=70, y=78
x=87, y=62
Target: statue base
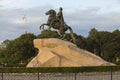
x=58, y=53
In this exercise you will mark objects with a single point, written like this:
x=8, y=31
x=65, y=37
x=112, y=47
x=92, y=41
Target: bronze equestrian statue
x=56, y=21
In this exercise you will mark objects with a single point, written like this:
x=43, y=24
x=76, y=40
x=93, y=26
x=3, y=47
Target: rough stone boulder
x=58, y=53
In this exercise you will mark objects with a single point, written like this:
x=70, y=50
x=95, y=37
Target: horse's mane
x=54, y=12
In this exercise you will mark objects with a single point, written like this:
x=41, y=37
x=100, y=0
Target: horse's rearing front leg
x=42, y=26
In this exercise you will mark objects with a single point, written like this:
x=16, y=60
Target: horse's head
x=51, y=12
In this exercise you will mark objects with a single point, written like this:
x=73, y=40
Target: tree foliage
x=48, y=34
x=102, y=43
x=19, y=49
x=106, y=44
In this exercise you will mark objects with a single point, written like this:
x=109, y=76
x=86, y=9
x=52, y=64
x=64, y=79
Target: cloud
x=81, y=21
x=1, y=6
x=12, y=25
x=89, y=18
x=13, y=3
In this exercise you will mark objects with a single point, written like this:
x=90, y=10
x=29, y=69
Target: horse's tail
x=70, y=29
x=72, y=34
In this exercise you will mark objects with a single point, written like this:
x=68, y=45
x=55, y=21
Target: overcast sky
x=81, y=15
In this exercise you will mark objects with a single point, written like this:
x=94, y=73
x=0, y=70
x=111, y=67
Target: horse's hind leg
x=62, y=34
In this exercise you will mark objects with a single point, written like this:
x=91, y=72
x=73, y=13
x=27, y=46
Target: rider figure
x=60, y=16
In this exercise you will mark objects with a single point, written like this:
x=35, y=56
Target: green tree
x=93, y=34
x=117, y=32
x=5, y=42
x=81, y=42
x=48, y=34
x=21, y=49
x=94, y=37
x=111, y=48
x=89, y=45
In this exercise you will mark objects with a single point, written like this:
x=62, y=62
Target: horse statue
x=57, y=22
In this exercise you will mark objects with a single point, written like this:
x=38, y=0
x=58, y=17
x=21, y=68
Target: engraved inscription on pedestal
x=50, y=45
